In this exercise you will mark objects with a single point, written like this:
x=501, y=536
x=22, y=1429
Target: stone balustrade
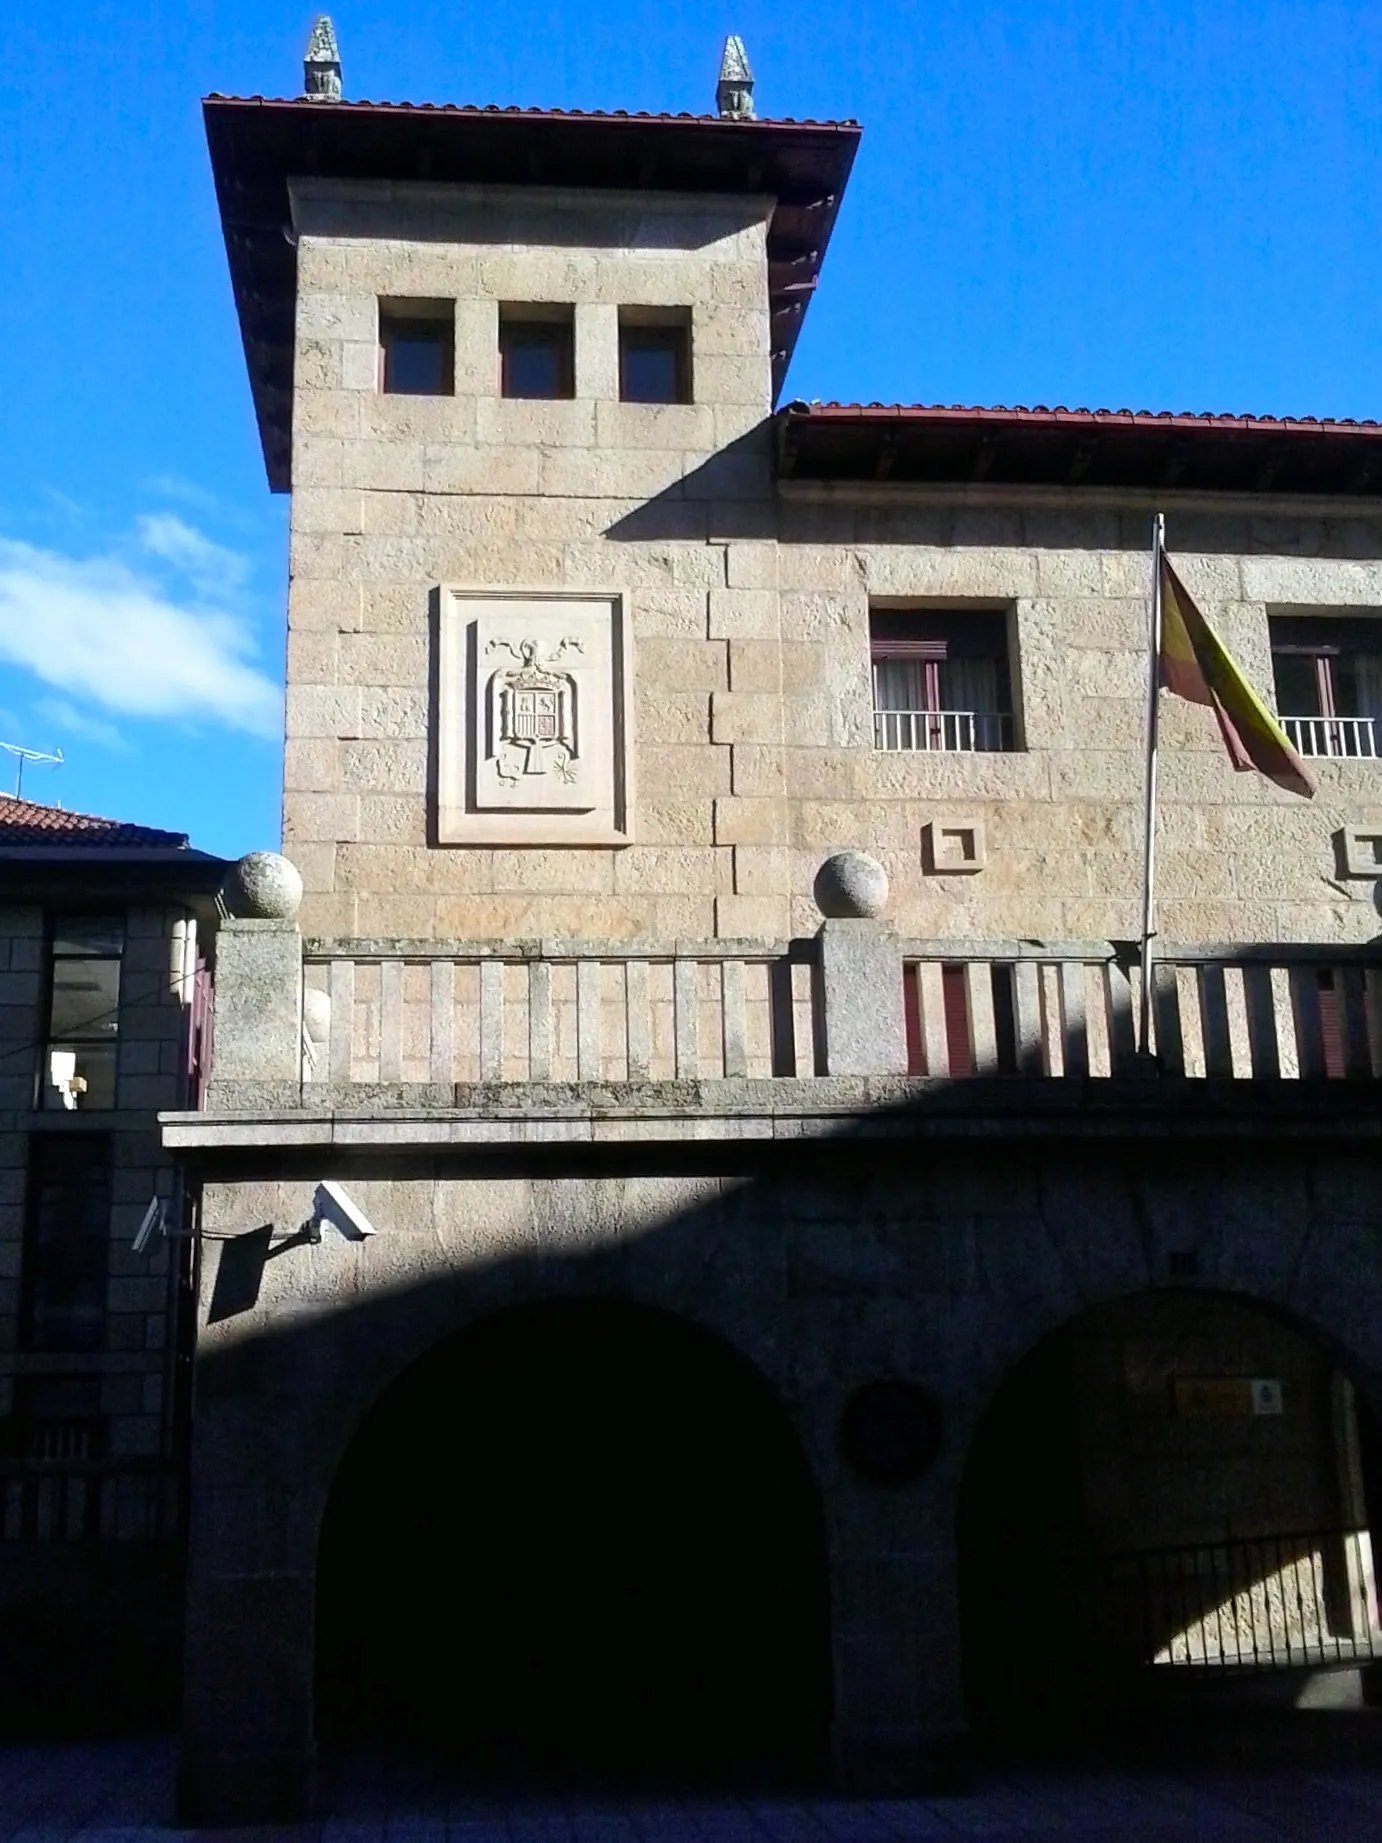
x=1247, y=1012
x=854, y=1000
x=424, y=1012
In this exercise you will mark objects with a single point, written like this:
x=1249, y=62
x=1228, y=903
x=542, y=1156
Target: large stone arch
x=289, y=1368
x=596, y=1547
x=1119, y=1490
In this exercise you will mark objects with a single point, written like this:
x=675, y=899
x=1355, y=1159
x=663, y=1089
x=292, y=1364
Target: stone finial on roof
x=734, y=91
x=321, y=66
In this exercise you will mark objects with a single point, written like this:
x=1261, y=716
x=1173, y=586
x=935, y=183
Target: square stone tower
x=517, y=370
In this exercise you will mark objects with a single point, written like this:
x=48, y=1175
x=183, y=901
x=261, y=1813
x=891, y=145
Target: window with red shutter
x=941, y=680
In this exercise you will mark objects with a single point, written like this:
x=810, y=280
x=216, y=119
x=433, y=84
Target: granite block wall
x=749, y=608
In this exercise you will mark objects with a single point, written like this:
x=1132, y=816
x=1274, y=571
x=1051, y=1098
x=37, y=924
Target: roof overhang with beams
x=258, y=145
x=1127, y=450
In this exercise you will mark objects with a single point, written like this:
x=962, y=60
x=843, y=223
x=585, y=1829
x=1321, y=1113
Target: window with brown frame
x=1328, y=679
x=417, y=348
x=941, y=680
x=654, y=355
x=537, y=351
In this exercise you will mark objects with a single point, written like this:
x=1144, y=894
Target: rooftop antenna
x=734, y=91
x=23, y=755
x=321, y=66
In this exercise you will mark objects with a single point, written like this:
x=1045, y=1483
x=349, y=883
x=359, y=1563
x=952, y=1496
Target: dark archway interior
x=1020, y=1512
x=579, y=1542
x=1126, y=1505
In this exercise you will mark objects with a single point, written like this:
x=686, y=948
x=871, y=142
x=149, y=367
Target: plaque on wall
x=891, y=1430
x=532, y=735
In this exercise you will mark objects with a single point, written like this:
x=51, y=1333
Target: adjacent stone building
x=104, y=933
x=678, y=1298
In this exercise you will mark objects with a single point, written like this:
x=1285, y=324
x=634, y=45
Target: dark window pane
x=533, y=368
x=1297, y=684
x=415, y=362
x=86, y=998
x=536, y=357
x=979, y=633
x=651, y=373
x=102, y=935
x=67, y=1237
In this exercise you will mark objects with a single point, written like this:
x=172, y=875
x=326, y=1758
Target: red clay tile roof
x=1040, y=413
x=315, y=104
x=1145, y=451
x=26, y=822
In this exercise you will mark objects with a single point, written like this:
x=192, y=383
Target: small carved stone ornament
x=321, y=65
x=263, y=886
x=851, y=886
x=734, y=91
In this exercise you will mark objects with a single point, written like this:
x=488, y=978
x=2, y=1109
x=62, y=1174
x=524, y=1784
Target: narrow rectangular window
x=655, y=355
x=941, y=680
x=66, y=1242
x=537, y=351
x=78, y=1073
x=1327, y=673
x=417, y=348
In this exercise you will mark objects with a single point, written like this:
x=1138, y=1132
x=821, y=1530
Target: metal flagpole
x=1144, y=1009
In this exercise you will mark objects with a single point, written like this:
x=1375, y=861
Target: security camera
x=333, y=1203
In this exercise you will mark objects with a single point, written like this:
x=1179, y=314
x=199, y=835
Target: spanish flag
x=1195, y=664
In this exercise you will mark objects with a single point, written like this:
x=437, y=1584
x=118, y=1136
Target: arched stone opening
x=578, y=1541
x=1164, y=1518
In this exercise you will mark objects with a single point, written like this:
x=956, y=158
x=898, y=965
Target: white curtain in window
x=970, y=684
x=1367, y=679
x=899, y=684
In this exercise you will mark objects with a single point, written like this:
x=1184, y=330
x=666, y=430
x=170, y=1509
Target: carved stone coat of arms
x=533, y=715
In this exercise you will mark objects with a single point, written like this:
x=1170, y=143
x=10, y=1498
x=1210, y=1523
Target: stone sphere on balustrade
x=263, y=886
x=851, y=886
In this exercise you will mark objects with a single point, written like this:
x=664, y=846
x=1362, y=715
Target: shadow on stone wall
x=775, y=1292
x=734, y=494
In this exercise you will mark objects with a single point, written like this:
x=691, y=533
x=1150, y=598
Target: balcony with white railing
x=1347, y=737
x=943, y=732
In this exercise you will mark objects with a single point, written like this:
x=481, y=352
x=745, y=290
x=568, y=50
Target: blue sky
x=1161, y=204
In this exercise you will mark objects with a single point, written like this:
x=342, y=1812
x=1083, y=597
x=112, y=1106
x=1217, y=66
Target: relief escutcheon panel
x=532, y=730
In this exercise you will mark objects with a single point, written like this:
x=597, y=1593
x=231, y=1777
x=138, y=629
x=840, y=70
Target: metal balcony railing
x=1258, y=1603
x=943, y=731
x=1340, y=736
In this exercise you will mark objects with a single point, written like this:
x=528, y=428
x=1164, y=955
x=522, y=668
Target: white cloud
x=65, y=716
x=215, y=572
x=104, y=634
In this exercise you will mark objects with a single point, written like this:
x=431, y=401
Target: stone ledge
x=390, y=1118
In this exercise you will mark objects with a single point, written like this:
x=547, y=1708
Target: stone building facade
x=578, y=1096
x=104, y=929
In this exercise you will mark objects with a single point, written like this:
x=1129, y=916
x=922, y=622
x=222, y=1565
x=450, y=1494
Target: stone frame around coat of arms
x=532, y=719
